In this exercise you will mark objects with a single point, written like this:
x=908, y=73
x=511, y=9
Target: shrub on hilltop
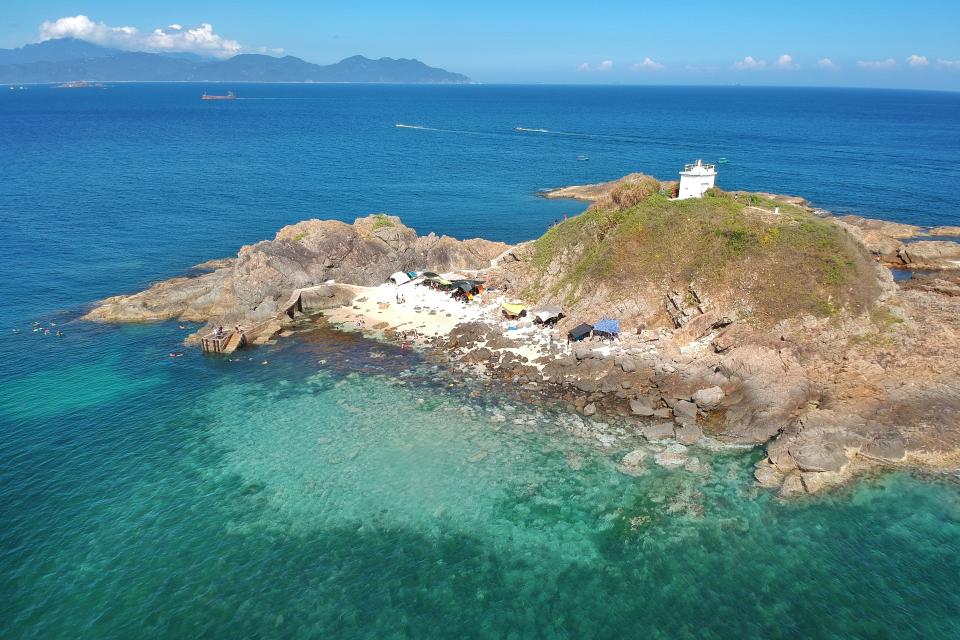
x=637, y=243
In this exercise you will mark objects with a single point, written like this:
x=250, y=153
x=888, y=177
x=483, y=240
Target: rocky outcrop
x=862, y=381
x=930, y=254
x=251, y=287
x=901, y=244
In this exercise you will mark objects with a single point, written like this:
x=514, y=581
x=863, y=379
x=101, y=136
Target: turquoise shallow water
x=348, y=489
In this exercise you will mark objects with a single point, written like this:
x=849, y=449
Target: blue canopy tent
x=607, y=327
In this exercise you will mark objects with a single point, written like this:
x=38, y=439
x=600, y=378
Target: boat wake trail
x=401, y=125
x=532, y=130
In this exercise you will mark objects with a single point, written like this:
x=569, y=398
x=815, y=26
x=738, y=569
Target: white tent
x=545, y=314
x=399, y=278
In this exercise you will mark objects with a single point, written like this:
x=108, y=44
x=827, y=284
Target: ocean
x=332, y=486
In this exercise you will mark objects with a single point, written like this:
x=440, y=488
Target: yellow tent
x=513, y=309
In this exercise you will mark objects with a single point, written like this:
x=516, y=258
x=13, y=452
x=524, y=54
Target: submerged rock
x=674, y=455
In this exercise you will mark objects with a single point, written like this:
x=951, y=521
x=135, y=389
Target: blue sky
x=847, y=43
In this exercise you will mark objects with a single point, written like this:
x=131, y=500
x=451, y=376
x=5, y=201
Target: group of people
x=219, y=333
x=38, y=328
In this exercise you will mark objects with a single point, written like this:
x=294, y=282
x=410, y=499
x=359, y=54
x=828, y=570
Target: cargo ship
x=230, y=96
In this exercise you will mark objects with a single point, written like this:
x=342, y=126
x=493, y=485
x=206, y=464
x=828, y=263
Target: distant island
x=67, y=60
x=726, y=317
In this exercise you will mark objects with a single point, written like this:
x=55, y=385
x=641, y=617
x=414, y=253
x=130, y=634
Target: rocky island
x=747, y=318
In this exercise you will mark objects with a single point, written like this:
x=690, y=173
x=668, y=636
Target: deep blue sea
x=348, y=489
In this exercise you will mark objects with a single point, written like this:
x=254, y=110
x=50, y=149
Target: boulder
x=708, y=399
x=812, y=481
x=819, y=456
x=674, y=455
x=589, y=409
x=684, y=409
x=634, y=458
x=660, y=431
x=641, y=407
x=792, y=486
x=885, y=447
x=767, y=475
x=688, y=433
x=628, y=365
x=936, y=254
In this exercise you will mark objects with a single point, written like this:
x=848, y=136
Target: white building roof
x=699, y=169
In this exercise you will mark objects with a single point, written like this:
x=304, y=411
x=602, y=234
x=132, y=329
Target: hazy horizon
x=751, y=44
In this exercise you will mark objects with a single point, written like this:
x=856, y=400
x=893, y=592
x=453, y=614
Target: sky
x=882, y=43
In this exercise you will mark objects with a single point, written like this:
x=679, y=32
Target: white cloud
x=889, y=63
x=750, y=62
x=200, y=39
x=917, y=61
x=948, y=64
x=786, y=62
x=648, y=64
x=826, y=63
x=606, y=65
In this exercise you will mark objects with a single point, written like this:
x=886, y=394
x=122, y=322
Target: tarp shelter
x=430, y=274
x=607, y=326
x=512, y=310
x=399, y=278
x=547, y=314
x=579, y=332
x=467, y=286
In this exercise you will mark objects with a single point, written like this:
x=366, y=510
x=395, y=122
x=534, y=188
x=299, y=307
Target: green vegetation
x=300, y=236
x=775, y=265
x=380, y=221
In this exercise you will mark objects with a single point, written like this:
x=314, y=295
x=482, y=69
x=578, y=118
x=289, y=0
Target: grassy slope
x=773, y=266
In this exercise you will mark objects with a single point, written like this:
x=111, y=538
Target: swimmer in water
x=59, y=333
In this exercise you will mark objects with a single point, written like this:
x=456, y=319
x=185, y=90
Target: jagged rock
x=767, y=387
x=767, y=475
x=585, y=352
x=302, y=255
x=935, y=254
x=819, y=456
x=684, y=409
x=812, y=481
x=688, y=433
x=885, y=447
x=641, y=407
x=587, y=385
x=589, y=409
x=663, y=412
x=792, y=486
x=628, y=365
x=660, y=431
x=708, y=399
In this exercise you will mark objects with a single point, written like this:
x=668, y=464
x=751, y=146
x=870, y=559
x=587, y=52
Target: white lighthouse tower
x=695, y=179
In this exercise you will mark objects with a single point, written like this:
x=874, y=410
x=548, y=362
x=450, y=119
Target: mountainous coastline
x=68, y=59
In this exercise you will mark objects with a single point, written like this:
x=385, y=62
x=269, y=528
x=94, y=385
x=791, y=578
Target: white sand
x=434, y=314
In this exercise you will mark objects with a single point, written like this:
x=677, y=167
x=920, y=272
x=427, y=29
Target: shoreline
x=829, y=395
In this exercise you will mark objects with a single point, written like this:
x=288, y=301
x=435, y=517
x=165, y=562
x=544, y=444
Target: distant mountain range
x=67, y=59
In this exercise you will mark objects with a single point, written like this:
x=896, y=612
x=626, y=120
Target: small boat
x=230, y=96
x=722, y=161
x=582, y=158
